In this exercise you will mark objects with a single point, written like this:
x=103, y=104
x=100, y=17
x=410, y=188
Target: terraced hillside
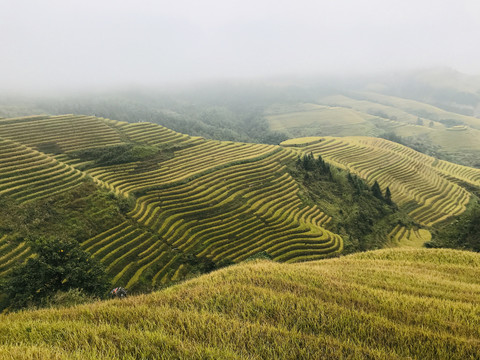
x=28, y=174
x=11, y=252
x=58, y=134
x=430, y=189
x=413, y=237
x=388, y=304
x=198, y=203
x=314, y=119
x=437, y=131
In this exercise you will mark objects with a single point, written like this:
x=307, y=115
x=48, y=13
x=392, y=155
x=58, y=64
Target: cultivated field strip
x=26, y=174
x=458, y=172
x=128, y=250
x=57, y=134
x=212, y=220
x=186, y=163
x=151, y=134
x=401, y=236
x=410, y=175
x=11, y=253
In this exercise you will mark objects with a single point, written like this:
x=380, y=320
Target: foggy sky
x=52, y=44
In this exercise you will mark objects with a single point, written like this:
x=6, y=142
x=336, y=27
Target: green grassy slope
x=387, y=304
x=312, y=119
x=419, y=109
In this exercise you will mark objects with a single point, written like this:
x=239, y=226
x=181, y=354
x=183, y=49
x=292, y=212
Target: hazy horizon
x=55, y=44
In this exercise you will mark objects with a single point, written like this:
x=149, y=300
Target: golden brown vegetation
x=388, y=304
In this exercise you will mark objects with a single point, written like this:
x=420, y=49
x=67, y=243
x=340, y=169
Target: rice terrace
x=251, y=180
x=193, y=205
x=207, y=199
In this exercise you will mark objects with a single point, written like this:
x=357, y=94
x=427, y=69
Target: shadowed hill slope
x=387, y=304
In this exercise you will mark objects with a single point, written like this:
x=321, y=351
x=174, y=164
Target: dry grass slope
x=388, y=304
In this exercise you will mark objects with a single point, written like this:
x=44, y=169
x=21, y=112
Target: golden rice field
x=60, y=133
x=314, y=119
x=28, y=174
x=386, y=304
x=427, y=187
x=402, y=237
x=213, y=201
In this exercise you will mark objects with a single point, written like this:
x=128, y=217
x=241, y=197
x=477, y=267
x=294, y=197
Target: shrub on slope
x=463, y=233
x=59, y=265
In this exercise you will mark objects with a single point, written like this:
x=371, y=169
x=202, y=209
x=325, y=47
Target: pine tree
x=320, y=163
x=377, y=192
x=388, y=196
x=350, y=178
x=298, y=163
x=308, y=162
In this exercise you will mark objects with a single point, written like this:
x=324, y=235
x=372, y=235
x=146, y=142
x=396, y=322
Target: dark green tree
x=321, y=166
x=59, y=265
x=376, y=191
x=463, y=233
x=350, y=178
x=388, y=196
x=298, y=163
x=320, y=162
x=308, y=162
